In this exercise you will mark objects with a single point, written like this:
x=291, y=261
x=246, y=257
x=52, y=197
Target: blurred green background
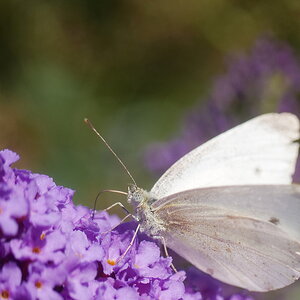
x=132, y=67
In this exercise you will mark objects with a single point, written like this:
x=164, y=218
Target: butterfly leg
x=120, y=204
x=130, y=244
x=117, y=203
x=125, y=218
x=166, y=252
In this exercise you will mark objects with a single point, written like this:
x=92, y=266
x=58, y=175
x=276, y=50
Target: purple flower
x=37, y=245
x=81, y=281
x=42, y=281
x=107, y=291
x=265, y=80
x=53, y=249
x=239, y=297
x=14, y=205
x=10, y=279
x=148, y=262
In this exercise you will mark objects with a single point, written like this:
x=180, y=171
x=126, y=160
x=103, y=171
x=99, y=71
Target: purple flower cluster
x=52, y=249
x=265, y=80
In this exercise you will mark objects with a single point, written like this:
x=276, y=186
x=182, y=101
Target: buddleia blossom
x=53, y=249
x=265, y=80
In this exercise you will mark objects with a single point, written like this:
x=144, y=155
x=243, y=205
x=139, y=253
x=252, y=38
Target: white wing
x=248, y=236
x=260, y=151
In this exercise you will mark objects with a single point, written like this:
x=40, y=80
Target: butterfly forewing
x=260, y=151
x=247, y=236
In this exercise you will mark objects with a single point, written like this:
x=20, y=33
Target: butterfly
x=229, y=206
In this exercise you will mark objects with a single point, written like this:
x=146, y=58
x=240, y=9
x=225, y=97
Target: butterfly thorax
x=145, y=215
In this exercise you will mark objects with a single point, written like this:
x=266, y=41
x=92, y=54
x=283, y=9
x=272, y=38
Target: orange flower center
x=36, y=250
x=5, y=294
x=38, y=284
x=111, y=262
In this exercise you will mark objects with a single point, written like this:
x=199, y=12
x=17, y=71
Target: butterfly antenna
x=87, y=121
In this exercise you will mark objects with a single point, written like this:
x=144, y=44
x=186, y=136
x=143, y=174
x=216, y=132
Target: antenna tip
x=87, y=121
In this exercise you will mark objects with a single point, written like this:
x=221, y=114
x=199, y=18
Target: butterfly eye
x=132, y=188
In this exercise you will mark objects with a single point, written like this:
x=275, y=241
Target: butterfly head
x=136, y=195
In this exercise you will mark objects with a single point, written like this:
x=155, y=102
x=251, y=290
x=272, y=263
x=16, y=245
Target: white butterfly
x=229, y=206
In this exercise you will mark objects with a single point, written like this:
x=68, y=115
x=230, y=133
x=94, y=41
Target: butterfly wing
x=260, y=151
x=248, y=236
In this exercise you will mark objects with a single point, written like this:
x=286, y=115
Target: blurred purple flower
x=211, y=288
x=265, y=80
x=52, y=249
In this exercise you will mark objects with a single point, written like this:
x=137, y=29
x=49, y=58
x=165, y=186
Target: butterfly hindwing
x=247, y=236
